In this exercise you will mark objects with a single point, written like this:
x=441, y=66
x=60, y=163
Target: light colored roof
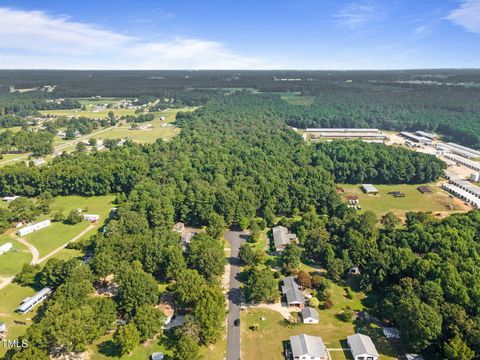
x=361, y=344
x=305, y=344
x=34, y=299
x=291, y=290
x=477, y=152
x=309, y=312
x=342, y=130
x=281, y=236
x=470, y=163
x=369, y=188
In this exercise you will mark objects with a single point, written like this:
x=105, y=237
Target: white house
x=309, y=315
x=34, y=227
x=91, y=217
x=28, y=303
x=5, y=247
x=362, y=347
x=306, y=347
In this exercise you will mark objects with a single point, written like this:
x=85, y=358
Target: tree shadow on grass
x=108, y=348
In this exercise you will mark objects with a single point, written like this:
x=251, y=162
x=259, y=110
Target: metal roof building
x=309, y=315
x=463, y=194
x=28, y=303
x=425, y=134
x=369, y=189
x=362, y=347
x=292, y=293
x=476, y=152
x=308, y=347
x=34, y=227
x=465, y=153
x=413, y=137
x=475, y=165
x=345, y=130
x=5, y=247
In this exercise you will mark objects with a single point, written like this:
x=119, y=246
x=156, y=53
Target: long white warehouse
x=343, y=130
x=28, y=303
x=476, y=152
x=452, y=149
x=34, y=227
x=463, y=194
x=468, y=163
x=5, y=247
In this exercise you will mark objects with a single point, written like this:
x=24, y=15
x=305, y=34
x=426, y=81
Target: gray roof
x=308, y=345
x=28, y=303
x=309, y=312
x=361, y=344
x=369, y=188
x=281, y=236
x=292, y=292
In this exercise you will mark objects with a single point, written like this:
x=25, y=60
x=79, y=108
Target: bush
x=313, y=302
x=349, y=293
x=346, y=315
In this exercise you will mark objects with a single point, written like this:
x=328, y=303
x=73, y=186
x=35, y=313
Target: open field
x=11, y=297
x=267, y=341
x=11, y=262
x=414, y=200
x=57, y=234
x=88, y=113
x=298, y=99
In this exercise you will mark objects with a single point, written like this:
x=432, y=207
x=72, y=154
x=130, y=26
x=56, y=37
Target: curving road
x=235, y=238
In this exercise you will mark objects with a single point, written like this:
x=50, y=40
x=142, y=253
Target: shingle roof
x=305, y=344
x=291, y=290
x=361, y=344
x=309, y=312
x=281, y=236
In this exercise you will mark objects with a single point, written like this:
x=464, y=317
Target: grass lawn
x=57, y=234
x=11, y=296
x=299, y=99
x=414, y=200
x=267, y=341
x=88, y=113
x=12, y=261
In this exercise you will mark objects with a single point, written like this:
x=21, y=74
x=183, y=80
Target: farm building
x=462, y=194
x=91, y=217
x=309, y=315
x=475, y=177
x=291, y=292
x=473, y=151
x=282, y=237
x=308, y=347
x=465, y=153
x=362, y=347
x=28, y=303
x=346, y=133
x=426, y=135
x=466, y=185
x=369, y=189
x=34, y=227
x=475, y=165
x=5, y=247
x=10, y=198
x=415, y=138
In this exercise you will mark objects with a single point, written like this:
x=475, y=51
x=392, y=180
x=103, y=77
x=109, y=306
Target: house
x=305, y=347
x=282, y=237
x=179, y=227
x=5, y=247
x=309, y=315
x=10, y=198
x=369, y=189
x=28, y=303
x=291, y=292
x=157, y=356
x=91, y=217
x=362, y=347
x=34, y=227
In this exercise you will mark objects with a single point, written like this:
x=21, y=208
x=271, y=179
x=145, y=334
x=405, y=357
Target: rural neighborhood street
x=235, y=238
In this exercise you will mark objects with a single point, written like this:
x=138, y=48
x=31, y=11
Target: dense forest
x=235, y=160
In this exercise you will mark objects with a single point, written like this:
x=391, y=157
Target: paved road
x=235, y=238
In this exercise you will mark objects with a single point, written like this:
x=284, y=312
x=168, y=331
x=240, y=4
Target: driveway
x=235, y=238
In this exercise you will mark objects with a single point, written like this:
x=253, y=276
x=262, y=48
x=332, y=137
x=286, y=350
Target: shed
x=369, y=189
x=309, y=315
x=3, y=327
x=5, y=247
x=157, y=356
x=308, y=347
x=362, y=347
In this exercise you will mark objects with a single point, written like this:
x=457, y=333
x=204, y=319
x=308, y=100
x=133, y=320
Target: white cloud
x=422, y=31
x=357, y=14
x=467, y=15
x=34, y=39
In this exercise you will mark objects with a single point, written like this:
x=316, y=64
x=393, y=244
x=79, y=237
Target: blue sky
x=240, y=34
